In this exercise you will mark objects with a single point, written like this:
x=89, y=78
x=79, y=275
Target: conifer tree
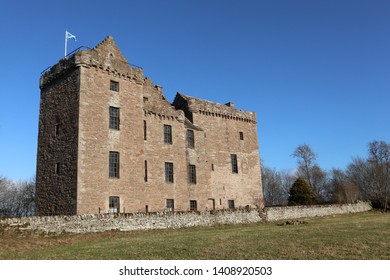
x=301, y=194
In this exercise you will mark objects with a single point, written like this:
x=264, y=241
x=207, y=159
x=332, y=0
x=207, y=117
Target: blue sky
x=315, y=72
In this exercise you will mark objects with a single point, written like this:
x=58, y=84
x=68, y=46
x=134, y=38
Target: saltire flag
x=70, y=36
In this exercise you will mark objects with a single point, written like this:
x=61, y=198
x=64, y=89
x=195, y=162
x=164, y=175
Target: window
x=167, y=134
x=57, y=168
x=57, y=129
x=146, y=99
x=212, y=167
x=169, y=172
x=114, y=165
x=113, y=204
x=231, y=204
x=234, y=163
x=114, y=86
x=170, y=204
x=114, y=118
x=190, y=139
x=192, y=174
x=146, y=171
x=193, y=205
x=241, y=135
x=57, y=126
x=145, y=135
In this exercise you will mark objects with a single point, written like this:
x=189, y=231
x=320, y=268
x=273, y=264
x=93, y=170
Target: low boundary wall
x=146, y=221
x=296, y=212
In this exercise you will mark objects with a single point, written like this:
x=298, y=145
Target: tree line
x=17, y=199
x=363, y=179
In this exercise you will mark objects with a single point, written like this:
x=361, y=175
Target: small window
x=169, y=172
x=113, y=204
x=170, y=204
x=57, y=129
x=190, y=139
x=193, y=205
x=234, y=163
x=57, y=126
x=114, y=118
x=241, y=135
x=212, y=167
x=57, y=168
x=114, y=165
x=114, y=86
x=145, y=134
x=231, y=204
x=146, y=99
x=167, y=134
x=146, y=171
x=192, y=174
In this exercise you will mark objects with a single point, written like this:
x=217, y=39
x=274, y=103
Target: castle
x=110, y=142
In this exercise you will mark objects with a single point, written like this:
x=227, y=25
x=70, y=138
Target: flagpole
x=66, y=41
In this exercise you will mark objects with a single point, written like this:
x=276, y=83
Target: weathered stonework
x=75, y=141
x=168, y=220
x=296, y=212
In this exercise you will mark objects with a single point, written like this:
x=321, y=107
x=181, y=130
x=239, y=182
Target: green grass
x=353, y=236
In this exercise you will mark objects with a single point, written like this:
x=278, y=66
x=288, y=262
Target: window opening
x=234, y=163
x=114, y=118
x=169, y=172
x=167, y=134
x=114, y=165
x=114, y=86
x=192, y=174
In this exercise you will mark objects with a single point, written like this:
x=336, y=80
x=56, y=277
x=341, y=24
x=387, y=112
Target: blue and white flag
x=70, y=36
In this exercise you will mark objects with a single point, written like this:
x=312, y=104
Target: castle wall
x=84, y=89
x=222, y=139
x=56, y=176
x=96, y=140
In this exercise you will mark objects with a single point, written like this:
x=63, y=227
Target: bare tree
x=306, y=159
x=373, y=175
x=308, y=169
x=344, y=191
x=17, y=198
x=276, y=185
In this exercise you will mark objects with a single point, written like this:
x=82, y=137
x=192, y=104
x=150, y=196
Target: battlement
x=105, y=57
x=204, y=107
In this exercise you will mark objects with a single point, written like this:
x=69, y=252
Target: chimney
x=230, y=104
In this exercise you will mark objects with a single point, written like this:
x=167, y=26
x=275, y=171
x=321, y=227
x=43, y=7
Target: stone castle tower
x=109, y=141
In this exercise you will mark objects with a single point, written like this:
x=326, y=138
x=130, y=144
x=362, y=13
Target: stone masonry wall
x=295, y=212
x=166, y=220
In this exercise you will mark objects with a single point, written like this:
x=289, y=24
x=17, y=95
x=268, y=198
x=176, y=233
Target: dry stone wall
x=295, y=212
x=169, y=220
x=130, y=222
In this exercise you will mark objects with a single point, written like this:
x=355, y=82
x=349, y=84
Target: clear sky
x=315, y=72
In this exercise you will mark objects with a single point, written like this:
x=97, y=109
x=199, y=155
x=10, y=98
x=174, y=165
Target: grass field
x=352, y=236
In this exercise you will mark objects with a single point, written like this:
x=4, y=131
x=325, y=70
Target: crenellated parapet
x=105, y=57
x=192, y=105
